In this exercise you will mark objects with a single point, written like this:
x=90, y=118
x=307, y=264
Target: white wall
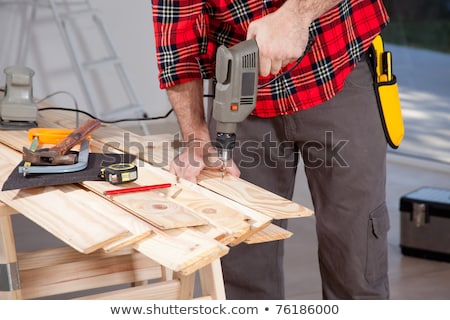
x=129, y=23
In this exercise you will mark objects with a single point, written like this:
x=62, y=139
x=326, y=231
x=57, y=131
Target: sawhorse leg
x=211, y=282
x=9, y=269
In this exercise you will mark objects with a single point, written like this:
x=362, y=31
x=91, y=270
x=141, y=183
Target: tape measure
x=119, y=173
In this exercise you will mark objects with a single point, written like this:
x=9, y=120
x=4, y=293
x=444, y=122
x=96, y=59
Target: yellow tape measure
x=119, y=173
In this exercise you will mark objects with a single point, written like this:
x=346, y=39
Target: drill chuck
x=225, y=142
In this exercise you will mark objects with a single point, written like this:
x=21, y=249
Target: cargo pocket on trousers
x=377, y=255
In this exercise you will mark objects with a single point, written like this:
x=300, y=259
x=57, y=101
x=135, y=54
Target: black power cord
x=78, y=111
x=108, y=121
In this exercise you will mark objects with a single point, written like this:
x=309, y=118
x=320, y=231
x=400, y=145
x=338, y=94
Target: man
x=324, y=109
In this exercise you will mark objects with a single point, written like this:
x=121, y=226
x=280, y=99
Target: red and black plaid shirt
x=188, y=32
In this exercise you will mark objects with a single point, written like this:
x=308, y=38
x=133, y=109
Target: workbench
x=154, y=242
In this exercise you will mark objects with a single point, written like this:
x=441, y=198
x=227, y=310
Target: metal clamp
x=83, y=157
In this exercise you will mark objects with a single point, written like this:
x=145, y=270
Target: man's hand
x=198, y=152
x=282, y=36
x=196, y=156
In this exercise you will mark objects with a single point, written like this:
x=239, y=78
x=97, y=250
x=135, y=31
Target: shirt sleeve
x=180, y=29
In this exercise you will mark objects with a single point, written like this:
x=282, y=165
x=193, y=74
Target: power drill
x=237, y=70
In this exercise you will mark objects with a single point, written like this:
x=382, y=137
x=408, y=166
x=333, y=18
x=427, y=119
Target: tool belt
x=386, y=90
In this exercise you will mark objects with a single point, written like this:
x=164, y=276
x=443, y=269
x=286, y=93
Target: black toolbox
x=425, y=223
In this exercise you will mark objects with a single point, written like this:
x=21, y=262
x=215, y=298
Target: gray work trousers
x=343, y=148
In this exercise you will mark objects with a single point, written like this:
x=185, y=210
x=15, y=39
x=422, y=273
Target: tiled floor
x=410, y=278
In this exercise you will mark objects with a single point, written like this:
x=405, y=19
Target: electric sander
x=17, y=108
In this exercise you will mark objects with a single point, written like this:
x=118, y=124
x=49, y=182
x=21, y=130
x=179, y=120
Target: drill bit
x=222, y=169
x=224, y=156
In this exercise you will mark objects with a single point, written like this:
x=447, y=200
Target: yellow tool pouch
x=386, y=90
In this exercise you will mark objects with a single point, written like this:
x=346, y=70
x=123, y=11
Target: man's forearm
x=310, y=9
x=187, y=102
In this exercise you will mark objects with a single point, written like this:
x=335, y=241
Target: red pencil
x=137, y=189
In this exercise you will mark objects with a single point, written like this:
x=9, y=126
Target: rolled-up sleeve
x=180, y=29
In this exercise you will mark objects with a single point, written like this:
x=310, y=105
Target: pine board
x=252, y=196
x=233, y=188
x=270, y=233
x=143, y=205
x=196, y=249
x=138, y=229
x=85, y=231
x=237, y=221
x=84, y=273
x=89, y=230
x=166, y=290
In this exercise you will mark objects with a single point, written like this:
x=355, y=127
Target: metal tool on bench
x=17, y=108
x=59, y=155
x=119, y=173
x=44, y=136
x=237, y=70
x=81, y=163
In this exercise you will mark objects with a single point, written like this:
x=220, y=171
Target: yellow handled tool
x=387, y=93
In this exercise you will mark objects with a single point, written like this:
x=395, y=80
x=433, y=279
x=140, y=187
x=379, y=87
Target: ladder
x=68, y=15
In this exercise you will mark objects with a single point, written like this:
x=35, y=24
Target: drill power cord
x=78, y=111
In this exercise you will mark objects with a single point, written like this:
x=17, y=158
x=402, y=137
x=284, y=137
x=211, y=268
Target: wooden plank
x=86, y=273
x=181, y=250
x=245, y=227
x=217, y=233
x=8, y=259
x=55, y=211
x=82, y=228
x=149, y=206
x=237, y=221
x=165, y=290
x=241, y=191
x=8, y=158
x=270, y=233
x=137, y=228
x=233, y=188
x=252, y=196
x=15, y=140
x=248, y=195
x=55, y=256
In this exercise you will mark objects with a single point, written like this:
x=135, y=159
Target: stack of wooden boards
x=183, y=228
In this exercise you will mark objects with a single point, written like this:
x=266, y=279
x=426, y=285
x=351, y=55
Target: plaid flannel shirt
x=188, y=33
